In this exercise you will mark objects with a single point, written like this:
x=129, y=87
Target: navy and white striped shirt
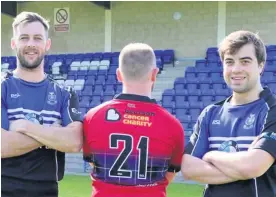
x=44, y=103
x=228, y=128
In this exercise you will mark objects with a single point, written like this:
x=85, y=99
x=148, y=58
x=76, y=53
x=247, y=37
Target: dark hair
x=234, y=41
x=29, y=17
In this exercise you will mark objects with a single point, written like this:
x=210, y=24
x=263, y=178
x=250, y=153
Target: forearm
x=237, y=165
x=16, y=144
x=64, y=139
x=230, y=170
x=198, y=170
x=170, y=176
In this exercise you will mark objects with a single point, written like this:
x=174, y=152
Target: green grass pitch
x=80, y=186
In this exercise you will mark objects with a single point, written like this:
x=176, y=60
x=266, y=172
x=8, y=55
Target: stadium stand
x=93, y=75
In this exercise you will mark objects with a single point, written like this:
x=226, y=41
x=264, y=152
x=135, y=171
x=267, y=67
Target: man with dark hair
x=40, y=120
x=233, y=147
x=134, y=145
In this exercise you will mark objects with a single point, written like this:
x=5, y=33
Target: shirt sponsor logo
x=216, y=122
x=15, y=95
x=112, y=115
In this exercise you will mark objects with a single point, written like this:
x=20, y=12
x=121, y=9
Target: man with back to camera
x=233, y=147
x=40, y=120
x=134, y=145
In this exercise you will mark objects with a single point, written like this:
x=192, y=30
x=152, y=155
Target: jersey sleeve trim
x=173, y=168
x=267, y=140
x=73, y=107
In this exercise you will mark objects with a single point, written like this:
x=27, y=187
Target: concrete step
x=165, y=80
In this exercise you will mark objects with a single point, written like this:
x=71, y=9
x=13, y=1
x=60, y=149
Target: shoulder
x=94, y=111
x=6, y=76
x=65, y=90
x=210, y=109
x=269, y=98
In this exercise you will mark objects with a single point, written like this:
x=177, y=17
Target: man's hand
x=254, y=142
x=209, y=155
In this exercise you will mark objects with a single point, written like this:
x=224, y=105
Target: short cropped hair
x=29, y=17
x=234, y=41
x=136, y=60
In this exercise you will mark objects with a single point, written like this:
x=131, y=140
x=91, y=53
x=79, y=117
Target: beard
x=27, y=64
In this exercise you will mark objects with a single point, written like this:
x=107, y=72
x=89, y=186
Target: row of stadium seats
x=61, y=63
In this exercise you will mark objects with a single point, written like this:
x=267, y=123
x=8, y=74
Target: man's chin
x=30, y=67
x=239, y=90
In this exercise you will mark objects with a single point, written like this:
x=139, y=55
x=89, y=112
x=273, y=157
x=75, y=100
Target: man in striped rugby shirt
x=233, y=147
x=40, y=120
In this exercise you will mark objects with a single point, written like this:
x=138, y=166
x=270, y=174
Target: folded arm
x=64, y=139
x=16, y=144
x=198, y=170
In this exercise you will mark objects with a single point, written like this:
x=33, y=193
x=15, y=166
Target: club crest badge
x=52, y=98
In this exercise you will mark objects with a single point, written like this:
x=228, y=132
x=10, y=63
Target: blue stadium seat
x=194, y=114
x=193, y=98
x=180, y=112
x=168, y=56
x=208, y=92
x=179, y=83
x=97, y=56
x=107, y=56
x=87, y=91
x=168, y=95
x=100, y=80
x=95, y=102
x=204, y=86
x=194, y=92
x=184, y=118
x=84, y=104
x=212, y=54
x=92, y=72
x=98, y=90
x=222, y=92
x=200, y=64
x=220, y=98
x=181, y=104
x=190, y=75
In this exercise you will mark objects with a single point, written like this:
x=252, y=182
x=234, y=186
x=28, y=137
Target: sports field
x=80, y=186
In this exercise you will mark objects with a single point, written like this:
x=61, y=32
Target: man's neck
x=247, y=97
x=142, y=90
x=31, y=75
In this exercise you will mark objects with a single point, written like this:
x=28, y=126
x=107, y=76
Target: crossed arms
x=216, y=167
x=27, y=136
x=220, y=167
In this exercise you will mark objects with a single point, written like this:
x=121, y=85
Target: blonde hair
x=136, y=60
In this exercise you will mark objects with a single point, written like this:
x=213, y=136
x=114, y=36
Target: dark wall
x=9, y=7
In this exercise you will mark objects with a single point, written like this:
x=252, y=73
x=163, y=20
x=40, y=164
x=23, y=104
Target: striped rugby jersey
x=228, y=128
x=44, y=103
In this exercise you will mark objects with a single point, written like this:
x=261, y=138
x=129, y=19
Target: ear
x=261, y=66
x=119, y=75
x=13, y=44
x=154, y=74
x=48, y=44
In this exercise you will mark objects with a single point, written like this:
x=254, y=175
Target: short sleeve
x=88, y=128
x=267, y=140
x=70, y=108
x=178, y=151
x=199, y=143
x=4, y=113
